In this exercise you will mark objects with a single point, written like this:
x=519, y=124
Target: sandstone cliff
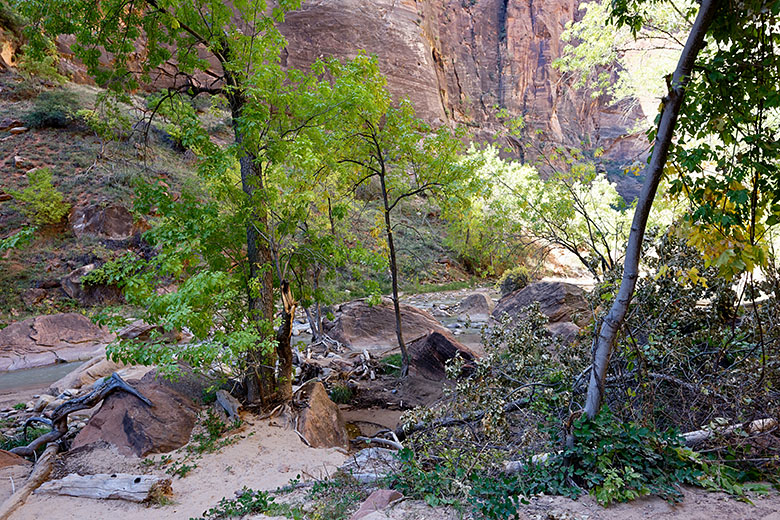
x=459, y=60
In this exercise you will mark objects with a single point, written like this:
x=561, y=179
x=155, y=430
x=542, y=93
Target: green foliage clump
x=341, y=394
x=18, y=239
x=107, y=120
x=52, y=109
x=41, y=64
x=513, y=279
x=41, y=202
x=247, y=502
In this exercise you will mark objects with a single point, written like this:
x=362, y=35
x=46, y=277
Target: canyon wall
x=460, y=60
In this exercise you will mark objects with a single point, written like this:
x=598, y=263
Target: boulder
x=141, y=331
x=559, y=301
x=88, y=294
x=363, y=326
x=565, y=331
x=8, y=122
x=112, y=222
x=428, y=354
x=33, y=296
x=376, y=501
x=372, y=464
x=320, y=421
x=137, y=429
x=20, y=163
x=49, y=339
x=476, y=307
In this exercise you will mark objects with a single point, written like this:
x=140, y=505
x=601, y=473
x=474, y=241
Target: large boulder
x=559, y=301
x=320, y=421
x=45, y=340
x=137, y=429
x=429, y=354
x=74, y=286
x=363, y=326
x=112, y=222
x=476, y=307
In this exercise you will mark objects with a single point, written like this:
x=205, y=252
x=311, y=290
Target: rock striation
x=459, y=61
x=49, y=339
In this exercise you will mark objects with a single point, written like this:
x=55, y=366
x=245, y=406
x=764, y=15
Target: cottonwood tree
x=408, y=159
x=736, y=193
x=224, y=259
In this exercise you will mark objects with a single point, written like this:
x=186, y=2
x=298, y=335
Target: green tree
x=730, y=170
x=228, y=286
x=409, y=159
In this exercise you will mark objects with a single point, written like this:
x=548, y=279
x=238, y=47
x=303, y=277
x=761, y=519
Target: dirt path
x=266, y=457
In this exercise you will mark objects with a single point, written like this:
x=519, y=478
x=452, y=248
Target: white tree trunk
x=653, y=174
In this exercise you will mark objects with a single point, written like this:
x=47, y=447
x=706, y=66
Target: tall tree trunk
x=653, y=174
x=394, y=277
x=261, y=375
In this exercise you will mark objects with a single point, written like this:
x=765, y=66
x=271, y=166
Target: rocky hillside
x=460, y=61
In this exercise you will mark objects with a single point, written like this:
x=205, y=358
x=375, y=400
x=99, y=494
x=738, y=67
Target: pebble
x=18, y=130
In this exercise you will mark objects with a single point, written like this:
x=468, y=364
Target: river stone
x=134, y=428
x=45, y=340
x=476, y=307
x=320, y=421
x=363, y=326
x=559, y=301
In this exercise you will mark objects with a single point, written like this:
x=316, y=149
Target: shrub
x=41, y=202
x=513, y=279
x=52, y=109
x=341, y=394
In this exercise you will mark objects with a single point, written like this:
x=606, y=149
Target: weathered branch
x=39, y=474
x=59, y=418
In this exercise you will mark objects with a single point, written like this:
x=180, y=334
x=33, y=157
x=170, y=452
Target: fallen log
x=39, y=474
x=699, y=436
x=118, y=486
x=691, y=440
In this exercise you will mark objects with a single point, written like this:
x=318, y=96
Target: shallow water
x=18, y=380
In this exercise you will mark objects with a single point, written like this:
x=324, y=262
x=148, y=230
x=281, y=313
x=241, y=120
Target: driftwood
x=230, y=404
x=122, y=486
x=405, y=430
x=691, y=439
x=39, y=474
x=758, y=426
x=59, y=417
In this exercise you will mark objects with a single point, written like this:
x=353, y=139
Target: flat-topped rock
x=49, y=339
x=360, y=325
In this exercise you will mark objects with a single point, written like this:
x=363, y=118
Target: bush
x=41, y=202
x=513, y=279
x=52, y=109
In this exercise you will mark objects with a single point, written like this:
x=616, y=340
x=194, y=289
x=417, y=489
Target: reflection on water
x=34, y=377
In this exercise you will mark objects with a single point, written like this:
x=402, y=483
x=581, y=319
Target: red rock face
x=459, y=60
